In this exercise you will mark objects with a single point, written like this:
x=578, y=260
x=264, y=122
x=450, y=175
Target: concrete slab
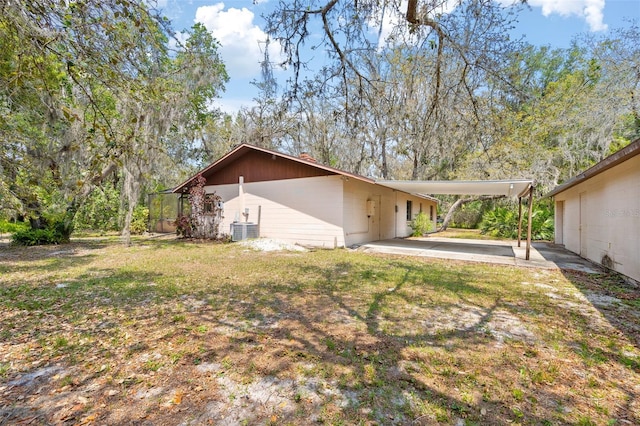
x=542, y=255
x=564, y=259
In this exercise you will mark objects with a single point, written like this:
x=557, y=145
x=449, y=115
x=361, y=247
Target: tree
x=438, y=90
x=90, y=89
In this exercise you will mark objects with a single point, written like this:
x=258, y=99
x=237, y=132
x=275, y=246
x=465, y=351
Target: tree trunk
x=131, y=189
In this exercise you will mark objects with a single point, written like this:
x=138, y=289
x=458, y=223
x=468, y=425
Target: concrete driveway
x=542, y=255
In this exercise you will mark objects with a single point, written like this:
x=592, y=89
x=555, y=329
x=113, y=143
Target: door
x=583, y=224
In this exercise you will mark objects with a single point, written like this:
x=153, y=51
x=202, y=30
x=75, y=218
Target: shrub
x=542, y=225
x=421, y=224
x=503, y=222
x=36, y=237
x=500, y=222
x=140, y=220
x=11, y=227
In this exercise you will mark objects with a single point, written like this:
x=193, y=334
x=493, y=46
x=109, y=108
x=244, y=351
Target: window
x=409, y=208
x=431, y=213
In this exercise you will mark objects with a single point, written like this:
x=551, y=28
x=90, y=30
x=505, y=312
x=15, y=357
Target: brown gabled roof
x=622, y=155
x=242, y=149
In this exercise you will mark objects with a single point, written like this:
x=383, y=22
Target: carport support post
x=530, y=220
x=519, y=219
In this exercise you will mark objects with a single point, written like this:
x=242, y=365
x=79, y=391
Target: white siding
x=322, y=211
x=607, y=220
x=306, y=211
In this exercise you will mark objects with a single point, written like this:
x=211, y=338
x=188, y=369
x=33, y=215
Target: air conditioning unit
x=243, y=230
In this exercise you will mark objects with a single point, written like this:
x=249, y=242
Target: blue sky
x=238, y=24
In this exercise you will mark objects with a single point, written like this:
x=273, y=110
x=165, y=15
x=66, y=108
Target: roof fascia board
x=611, y=161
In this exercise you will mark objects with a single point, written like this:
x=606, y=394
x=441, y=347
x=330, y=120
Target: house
x=299, y=200
x=597, y=213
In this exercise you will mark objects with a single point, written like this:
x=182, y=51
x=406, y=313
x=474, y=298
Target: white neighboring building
x=597, y=213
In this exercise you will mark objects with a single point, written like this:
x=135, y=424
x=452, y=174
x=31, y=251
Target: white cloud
x=242, y=41
x=233, y=105
x=590, y=10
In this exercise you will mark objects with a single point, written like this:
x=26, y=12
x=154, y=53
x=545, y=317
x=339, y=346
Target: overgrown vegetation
x=101, y=211
x=469, y=216
x=503, y=222
x=140, y=222
x=53, y=234
x=9, y=227
x=117, y=102
x=98, y=333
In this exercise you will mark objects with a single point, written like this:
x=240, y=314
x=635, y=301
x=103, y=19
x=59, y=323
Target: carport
x=520, y=188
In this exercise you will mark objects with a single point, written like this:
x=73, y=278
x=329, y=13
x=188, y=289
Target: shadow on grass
x=16, y=259
x=617, y=301
x=337, y=334
x=377, y=379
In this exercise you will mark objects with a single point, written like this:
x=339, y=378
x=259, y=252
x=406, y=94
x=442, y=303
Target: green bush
x=36, y=237
x=7, y=227
x=500, y=222
x=421, y=224
x=139, y=222
x=503, y=223
x=542, y=225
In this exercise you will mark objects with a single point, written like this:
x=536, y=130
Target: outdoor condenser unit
x=243, y=230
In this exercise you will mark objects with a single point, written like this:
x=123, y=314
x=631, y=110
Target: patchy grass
x=474, y=234
x=168, y=332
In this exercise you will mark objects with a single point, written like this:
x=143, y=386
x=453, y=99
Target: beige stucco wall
x=385, y=223
x=305, y=211
x=366, y=215
x=327, y=211
x=601, y=217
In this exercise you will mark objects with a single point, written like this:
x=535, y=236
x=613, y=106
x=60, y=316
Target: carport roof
x=509, y=188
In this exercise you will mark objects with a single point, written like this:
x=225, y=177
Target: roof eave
x=245, y=146
x=611, y=161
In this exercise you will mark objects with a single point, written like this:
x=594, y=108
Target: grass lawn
x=168, y=332
x=474, y=234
